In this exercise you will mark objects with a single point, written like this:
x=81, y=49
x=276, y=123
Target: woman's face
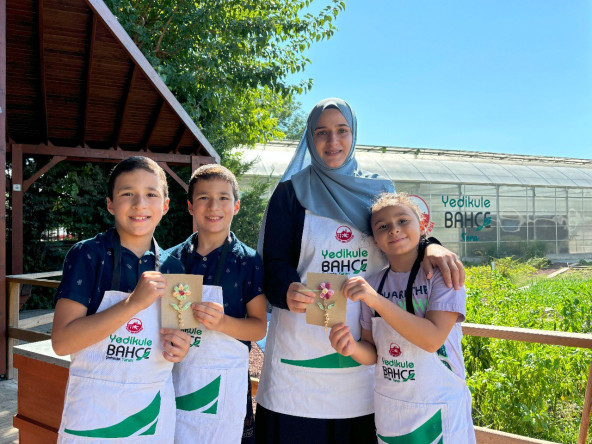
x=332, y=138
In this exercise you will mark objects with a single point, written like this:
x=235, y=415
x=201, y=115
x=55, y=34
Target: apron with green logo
x=417, y=398
x=302, y=374
x=120, y=389
x=211, y=383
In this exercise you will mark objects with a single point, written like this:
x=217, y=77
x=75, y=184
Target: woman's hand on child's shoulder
x=210, y=314
x=357, y=289
x=150, y=287
x=342, y=340
x=175, y=343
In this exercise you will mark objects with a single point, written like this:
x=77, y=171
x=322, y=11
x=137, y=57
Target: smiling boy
x=219, y=356
x=107, y=319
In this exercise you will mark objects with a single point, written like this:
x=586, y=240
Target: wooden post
x=17, y=209
x=3, y=317
x=585, y=422
x=14, y=293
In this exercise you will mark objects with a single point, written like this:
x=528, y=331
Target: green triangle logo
x=128, y=426
x=201, y=398
x=426, y=433
x=334, y=360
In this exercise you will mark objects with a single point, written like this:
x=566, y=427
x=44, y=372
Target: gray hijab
x=344, y=193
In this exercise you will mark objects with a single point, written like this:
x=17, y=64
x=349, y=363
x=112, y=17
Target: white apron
x=417, y=398
x=302, y=374
x=120, y=389
x=211, y=385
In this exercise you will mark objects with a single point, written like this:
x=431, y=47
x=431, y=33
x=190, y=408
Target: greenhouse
x=480, y=204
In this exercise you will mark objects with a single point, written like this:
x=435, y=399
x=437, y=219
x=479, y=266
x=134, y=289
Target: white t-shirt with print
x=427, y=295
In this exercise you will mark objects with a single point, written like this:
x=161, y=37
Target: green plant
x=529, y=389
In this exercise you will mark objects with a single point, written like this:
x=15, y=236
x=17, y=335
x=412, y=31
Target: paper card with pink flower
x=330, y=306
x=181, y=291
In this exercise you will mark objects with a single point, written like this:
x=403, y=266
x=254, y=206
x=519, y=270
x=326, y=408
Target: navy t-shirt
x=88, y=270
x=242, y=276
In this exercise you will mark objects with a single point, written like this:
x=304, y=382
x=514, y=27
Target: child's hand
x=150, y=286
x=357, y=289
x=342, y=340
x=298, y=297
x=210, y=314
x=175, y=344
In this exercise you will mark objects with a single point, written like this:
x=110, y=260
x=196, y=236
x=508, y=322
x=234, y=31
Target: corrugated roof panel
x=408, y=166
x=394, y=167
x=467, y=172
x=435, y=170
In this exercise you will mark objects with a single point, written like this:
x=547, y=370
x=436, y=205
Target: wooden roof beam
x=31, y=180
x=110, y=21
x=152, y=125
x=123, y=114
x=43, y=99
x=180, y=134
x=171, y=173
x=85, y=98
x=85, y=154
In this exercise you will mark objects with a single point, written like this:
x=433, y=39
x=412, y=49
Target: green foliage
x=227, y=61
x=524, y=249
x=247, y=222
x=529, y=389
x=292, y=121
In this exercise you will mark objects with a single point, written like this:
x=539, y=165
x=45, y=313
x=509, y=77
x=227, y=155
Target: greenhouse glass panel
x=435, y=171
x=561, y=200
x=407, y=187
x=481, y=250
x=497, y=173
x=483, y=190
x=509, y=191
x=466, y=172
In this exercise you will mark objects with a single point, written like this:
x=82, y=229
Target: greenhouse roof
x=441, y=166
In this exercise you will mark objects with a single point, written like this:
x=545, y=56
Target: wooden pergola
x=74, y=86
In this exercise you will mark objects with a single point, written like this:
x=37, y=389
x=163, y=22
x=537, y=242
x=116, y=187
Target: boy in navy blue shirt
x=107, y=316
x=215, y=252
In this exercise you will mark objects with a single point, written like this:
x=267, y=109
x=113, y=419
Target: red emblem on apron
x=344, y=234
x=395, y=350
x=134, y=326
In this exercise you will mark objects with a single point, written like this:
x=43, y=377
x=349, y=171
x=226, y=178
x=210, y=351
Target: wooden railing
x=488, y=436
x=20, y=330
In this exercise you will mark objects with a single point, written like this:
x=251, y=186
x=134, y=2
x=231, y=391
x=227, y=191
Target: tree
x=227, y=61
x=292, y=120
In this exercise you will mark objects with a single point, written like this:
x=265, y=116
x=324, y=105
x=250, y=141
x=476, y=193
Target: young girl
x=411, y=330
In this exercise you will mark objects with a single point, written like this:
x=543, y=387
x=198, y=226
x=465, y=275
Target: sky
x=504, y=76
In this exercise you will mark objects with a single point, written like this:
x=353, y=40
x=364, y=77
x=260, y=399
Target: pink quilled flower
x=326, y=291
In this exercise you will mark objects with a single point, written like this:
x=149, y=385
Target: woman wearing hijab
x=318, y=221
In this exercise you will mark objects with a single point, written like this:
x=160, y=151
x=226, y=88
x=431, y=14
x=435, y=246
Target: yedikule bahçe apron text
x=211, y=383
x=417, y=398
x=120, y=389
x=302, y=374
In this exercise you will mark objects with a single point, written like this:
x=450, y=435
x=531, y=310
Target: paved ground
x=8, y=397
x=8, y=434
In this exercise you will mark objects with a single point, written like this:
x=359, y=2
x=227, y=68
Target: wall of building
x=488, y=220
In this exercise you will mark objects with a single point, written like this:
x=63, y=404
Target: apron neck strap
x=116, y=279
x=410, y=281
x=222, y=261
